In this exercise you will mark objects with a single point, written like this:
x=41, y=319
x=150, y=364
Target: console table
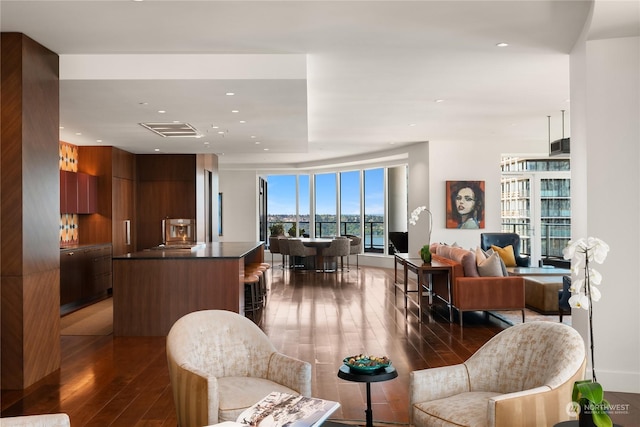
x=421, y=269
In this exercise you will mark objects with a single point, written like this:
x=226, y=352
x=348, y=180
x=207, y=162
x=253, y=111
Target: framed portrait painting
x=465, y=204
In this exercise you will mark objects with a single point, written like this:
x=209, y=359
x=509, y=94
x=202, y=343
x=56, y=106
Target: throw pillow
x=480, y=255
x=506, y=254
x=491, y=267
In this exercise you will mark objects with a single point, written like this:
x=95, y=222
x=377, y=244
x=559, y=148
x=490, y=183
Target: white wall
x=239, y=206
x=605, y=117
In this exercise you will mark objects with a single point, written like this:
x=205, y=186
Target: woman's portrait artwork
x=465, y=204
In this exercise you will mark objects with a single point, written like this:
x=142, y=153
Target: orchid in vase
x=588, y=394
x=425, y=252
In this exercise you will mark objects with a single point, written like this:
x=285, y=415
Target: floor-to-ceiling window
x=373, y=237
x=335, y=203
x=350, y=218
x=536, y=204
x=325, y=196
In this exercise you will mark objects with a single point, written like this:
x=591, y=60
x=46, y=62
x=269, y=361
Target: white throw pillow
x=491, y=266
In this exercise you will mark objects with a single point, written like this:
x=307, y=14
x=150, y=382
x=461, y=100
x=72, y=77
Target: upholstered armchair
x=44, y=420
x=220, y=363
x=339, y=248
x=521, y=377
x=503, y=240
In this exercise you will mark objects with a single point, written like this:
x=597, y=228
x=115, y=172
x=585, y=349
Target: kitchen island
x=155, y=287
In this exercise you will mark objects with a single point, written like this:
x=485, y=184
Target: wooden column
x=29, y=212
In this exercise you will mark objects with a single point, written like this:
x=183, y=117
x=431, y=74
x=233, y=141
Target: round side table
x=388, y=373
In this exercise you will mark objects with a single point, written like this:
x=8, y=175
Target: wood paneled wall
x=115, y=170
x=166, y=188
x=29, y=199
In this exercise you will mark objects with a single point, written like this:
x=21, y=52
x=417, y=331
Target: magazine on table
x=286, y=410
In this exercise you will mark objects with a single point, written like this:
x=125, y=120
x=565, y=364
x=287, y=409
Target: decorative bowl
x=362, y=364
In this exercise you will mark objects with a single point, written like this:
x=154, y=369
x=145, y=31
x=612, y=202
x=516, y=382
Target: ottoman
x=541, y=293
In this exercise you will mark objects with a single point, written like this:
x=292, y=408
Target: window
x=536, y=204
x=325, y=206
x=373, y=239
x=350, y=203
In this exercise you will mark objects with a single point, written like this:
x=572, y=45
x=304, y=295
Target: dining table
x=319, y=243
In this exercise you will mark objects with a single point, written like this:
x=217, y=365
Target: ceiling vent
x=183, y=130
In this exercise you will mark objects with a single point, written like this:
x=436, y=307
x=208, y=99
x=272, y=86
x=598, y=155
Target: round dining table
x=319, y=243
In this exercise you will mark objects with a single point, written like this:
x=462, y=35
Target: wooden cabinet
x=78, y=193
x=85, y=274
x=68, y=192
x=87, y=193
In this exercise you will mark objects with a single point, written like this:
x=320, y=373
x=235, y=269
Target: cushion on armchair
x=502, y=240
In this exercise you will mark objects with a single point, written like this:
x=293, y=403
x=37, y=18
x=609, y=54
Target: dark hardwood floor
x=317, y=317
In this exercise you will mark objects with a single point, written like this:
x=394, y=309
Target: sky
x=281, y=192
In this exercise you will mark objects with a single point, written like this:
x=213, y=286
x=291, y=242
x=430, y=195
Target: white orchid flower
x=576, y=286
x=595, y=294
x=599, y=249
x=579, y=301
x=595, y=278
x=416, y=214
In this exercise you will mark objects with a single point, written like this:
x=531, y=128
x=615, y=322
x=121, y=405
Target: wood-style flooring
x=317, y=317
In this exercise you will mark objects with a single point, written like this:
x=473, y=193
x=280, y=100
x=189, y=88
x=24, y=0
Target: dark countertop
x=205, y=250
x=83, y=246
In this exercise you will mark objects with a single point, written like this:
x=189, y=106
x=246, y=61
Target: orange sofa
x=469, y=290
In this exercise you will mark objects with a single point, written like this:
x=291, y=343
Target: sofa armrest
x=290, y=372
x=488, y=293
x=437, y=383
x=195, y=395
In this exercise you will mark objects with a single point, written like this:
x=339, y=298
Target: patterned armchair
x=220, y=363
x=44, y=420
x=521, y=377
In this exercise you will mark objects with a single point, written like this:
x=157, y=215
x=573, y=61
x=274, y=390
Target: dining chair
x=298, y=249
x=339, y=247
x=354, y=249
x=283, y=245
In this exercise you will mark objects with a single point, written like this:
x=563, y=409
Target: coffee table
x=388, y=373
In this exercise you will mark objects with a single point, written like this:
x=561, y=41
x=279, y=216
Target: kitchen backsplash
x=68, y=222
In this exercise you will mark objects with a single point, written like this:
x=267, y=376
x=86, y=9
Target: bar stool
x=251, y=285
x=259, y=269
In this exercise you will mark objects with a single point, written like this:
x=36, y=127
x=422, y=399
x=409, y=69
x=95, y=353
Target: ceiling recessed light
x=229, y=93
x=243, y=121
x=235, y=111
x=221, y=132
x=253, y=136
x=439, y=100
x=265, y=149
x=258, y=142
x=157, y=149
x=502, y=44
x=161, y=111
x=206, y=143
x=214, y=127
x=98, y=140
x=78, y=133
x=412, y=124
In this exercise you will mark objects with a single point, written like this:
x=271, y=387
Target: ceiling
x=311, y=80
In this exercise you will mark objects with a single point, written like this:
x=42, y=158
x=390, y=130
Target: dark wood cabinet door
x=71, y=276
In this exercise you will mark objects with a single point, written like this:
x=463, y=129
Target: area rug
x=515, y=317
x=96, y=319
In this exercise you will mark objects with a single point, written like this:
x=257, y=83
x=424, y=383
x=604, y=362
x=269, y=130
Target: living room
x=604, y=111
